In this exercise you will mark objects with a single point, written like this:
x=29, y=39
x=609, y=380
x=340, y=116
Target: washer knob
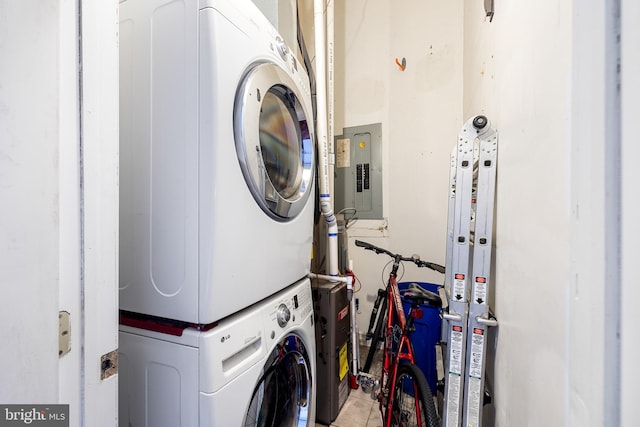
x=283, y=315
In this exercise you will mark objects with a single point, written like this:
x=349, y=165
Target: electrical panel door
x=358, y=183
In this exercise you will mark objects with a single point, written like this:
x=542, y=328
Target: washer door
x=282, y=397
x=274, y=140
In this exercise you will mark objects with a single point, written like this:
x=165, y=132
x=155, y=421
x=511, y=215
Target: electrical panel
x=358, y=171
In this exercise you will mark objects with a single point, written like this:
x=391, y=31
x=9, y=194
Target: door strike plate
x=64, y=333
x=109, y=364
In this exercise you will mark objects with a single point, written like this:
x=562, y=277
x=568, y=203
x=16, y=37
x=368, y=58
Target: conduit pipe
x=330, y=85
x=323, y=159
x=321, y=133
x=341, y=279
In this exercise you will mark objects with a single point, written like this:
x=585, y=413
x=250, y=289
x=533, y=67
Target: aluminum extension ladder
x=468, y=264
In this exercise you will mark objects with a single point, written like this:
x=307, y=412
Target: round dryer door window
x=274, y=140
x=282, y=396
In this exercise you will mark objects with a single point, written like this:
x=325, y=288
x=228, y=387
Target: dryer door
x=282, y=396
x=274, y=140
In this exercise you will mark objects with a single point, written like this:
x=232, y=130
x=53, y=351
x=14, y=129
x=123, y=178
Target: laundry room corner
x=417, y=125
x=319, y=213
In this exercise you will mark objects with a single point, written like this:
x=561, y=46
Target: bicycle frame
x=398, y=363
x=404, y=350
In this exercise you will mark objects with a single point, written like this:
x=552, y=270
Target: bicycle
x=405, y=397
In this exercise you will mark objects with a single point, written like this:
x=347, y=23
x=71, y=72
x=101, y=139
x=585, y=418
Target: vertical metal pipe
x=321, y=132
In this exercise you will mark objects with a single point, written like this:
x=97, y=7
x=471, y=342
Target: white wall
x=630, y=292
x=546, y=74
x=517, y=71
x=421, y=113
x=587, y=395
x=29, y=191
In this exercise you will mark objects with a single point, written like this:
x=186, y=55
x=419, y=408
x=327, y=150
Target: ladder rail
x=470, y=218
x=458, y=275
x=479, y=321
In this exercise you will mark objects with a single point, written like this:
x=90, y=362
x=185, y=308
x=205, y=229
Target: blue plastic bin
x=427, y=334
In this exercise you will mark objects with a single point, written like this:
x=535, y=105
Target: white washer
x=217, y=159
x=254, y=368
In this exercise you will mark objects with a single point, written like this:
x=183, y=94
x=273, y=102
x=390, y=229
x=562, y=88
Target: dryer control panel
x=283, y=315
x=303, y=303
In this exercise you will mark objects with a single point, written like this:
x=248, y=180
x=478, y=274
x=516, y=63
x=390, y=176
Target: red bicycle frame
x=404, y=350
x=398, y=352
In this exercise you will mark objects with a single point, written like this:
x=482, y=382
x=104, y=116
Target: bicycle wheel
x=411, y=389
x=377, y=335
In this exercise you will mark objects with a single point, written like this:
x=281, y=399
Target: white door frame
x=89, y=208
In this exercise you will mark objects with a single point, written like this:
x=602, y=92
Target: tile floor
x=361, y=409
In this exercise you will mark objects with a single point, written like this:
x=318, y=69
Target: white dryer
x=255, y=368
x=217, y=159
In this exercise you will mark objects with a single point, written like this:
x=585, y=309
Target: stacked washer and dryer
x=216, y=219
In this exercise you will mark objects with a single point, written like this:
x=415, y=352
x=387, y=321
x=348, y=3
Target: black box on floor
x=333, y=322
